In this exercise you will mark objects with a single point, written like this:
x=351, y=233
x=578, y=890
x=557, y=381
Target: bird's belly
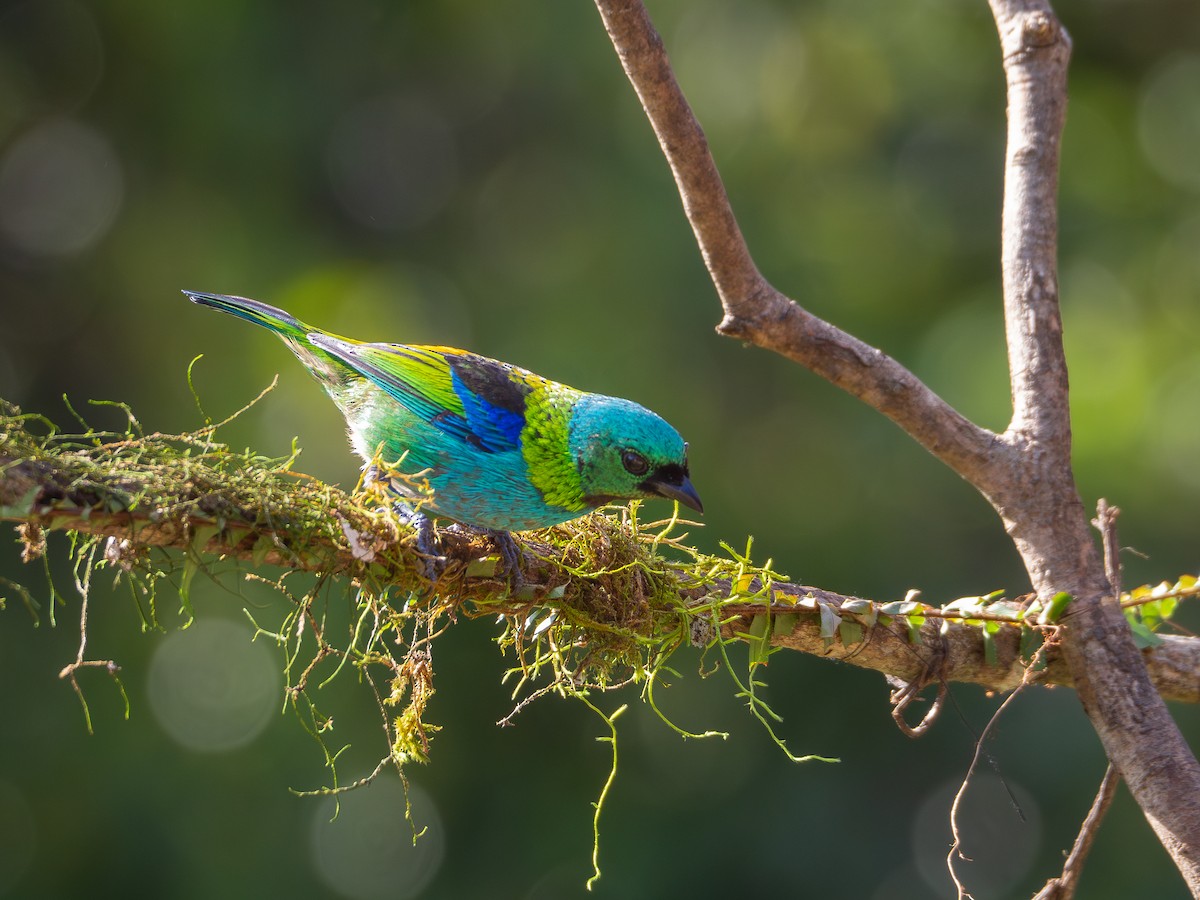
x=487, y=490
x=493, y=493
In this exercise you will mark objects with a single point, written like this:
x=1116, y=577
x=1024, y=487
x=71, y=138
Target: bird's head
x=624, y=451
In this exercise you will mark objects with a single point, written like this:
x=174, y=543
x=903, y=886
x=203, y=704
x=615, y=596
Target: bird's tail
x=282, y=323
x=333, y=373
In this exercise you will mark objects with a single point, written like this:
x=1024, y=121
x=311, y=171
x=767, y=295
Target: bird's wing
x=472, y=398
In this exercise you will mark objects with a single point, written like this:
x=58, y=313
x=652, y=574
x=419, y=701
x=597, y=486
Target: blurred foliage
x=481, y=175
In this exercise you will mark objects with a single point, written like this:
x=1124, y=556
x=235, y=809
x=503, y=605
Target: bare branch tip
x=1041, y=29
x=734, y=327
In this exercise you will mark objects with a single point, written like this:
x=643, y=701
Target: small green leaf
x=202, y=535
x=757, y=639
x=758, y=626
x=1031, y=640
x=190, y=567
x=864, y=610
x=900, y=607
x=1143, y=637
x=483, y=567
x=1058, y=605
x=989, y=647
x=1150, y=614
x=850, y=632
x=1007, y=608
x=1168, y=605
x=545, y=623
x=784, y=624
x=964, y=605
x=21, y=507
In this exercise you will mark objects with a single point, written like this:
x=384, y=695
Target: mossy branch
x=623, y=585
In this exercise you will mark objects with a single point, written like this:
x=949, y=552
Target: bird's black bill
x=681, y=491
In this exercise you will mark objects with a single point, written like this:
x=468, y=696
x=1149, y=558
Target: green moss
x=606, y=600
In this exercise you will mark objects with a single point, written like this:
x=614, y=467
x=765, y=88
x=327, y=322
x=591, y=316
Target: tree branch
x=754, y=310
x=1036, y=51
x=1026, y=473
x=211, y=517
x=1038, y=498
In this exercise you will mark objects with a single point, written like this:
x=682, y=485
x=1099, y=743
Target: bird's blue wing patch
x=466, y=396
x=495, y=428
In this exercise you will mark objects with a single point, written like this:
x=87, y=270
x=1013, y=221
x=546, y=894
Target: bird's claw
x=428, y=546
x=511, y=558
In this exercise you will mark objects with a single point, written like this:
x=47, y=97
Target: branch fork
x=1026, y=472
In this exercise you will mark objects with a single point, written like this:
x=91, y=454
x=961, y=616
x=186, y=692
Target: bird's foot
x=428, y=546
x=511, y=558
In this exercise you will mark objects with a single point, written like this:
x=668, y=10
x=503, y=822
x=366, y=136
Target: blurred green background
x=480, y=174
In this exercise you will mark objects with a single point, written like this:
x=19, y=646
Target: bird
x=502, y=449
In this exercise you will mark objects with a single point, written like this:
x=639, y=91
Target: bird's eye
x=634, y=462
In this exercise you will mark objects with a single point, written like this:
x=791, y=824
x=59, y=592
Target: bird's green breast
x=544, y=445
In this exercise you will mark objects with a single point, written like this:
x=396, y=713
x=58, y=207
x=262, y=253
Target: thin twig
x=1106, y=524
x=956, y=846
x=1031, y=675
x=933, y=669
x=71, y=670
x=1063, y=887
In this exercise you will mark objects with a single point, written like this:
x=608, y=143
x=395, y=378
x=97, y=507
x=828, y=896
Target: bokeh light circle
x=60, y=189
x=1001, y=839
x=1169, y=120
x=1175, y=426
x=212, y=688
x=18, y=836
x=368, y=851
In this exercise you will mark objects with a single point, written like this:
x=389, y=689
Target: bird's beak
x=683, y=492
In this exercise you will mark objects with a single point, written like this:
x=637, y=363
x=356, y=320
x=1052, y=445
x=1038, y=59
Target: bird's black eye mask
x=671, y=473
